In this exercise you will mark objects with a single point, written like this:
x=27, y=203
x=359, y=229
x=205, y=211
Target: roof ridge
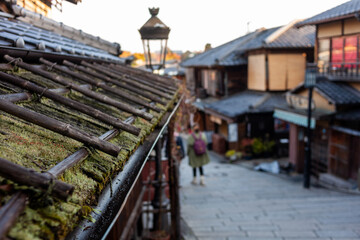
x=251, y=35
x=280, y=31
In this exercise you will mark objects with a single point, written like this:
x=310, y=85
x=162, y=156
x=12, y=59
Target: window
x=350, y=51
x=324, y=53
x=209, y=78
x=337, y=52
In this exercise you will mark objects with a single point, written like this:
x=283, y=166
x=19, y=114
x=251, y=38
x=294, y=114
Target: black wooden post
x=307, y=170
x=310, y=82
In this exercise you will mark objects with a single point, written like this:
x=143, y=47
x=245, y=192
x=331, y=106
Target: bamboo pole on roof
x=115, y=82
x=16, y=205
x=29, y=177
x=82, y=153
x=102, y=85
x=139, y=79
x=128, y=81
x=59, y=127
x=10, y=212
x=25, y=96
x=165, y=81
x=86, y=92
x=106, y=118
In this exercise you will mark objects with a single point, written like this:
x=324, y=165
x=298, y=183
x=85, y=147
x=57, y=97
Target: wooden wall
x=36, y=6
x=329, y=29
x=320, y=101
x=338, y=28
x=351, y=26
x=355, y=85
x=257, y=72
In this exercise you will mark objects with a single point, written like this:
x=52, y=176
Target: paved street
x=238, y=203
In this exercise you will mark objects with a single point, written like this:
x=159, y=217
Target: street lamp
x=154, y=34
x=310, y=82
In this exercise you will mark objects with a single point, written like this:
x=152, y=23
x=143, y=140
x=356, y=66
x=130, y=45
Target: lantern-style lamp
x=154, y=34
x=310, y=82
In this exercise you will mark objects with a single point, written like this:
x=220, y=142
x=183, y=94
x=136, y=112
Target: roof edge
x=328, y=20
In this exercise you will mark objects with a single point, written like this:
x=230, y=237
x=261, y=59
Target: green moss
x=37, y=148
x=113, y=111
x=75, y=119
x=32, y=146
x=44, y=82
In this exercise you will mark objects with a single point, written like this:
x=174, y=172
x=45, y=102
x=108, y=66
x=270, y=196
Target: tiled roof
x=232, y=53
x=45, y=23
x=247, y=102
x=338, y=93
x=345, y=10
x=295, y=38
x=220, y=53
x=15, y=33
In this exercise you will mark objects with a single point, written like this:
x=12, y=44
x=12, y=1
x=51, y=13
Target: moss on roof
x=37, y=148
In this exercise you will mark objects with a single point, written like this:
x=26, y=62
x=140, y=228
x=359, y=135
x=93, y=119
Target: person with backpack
x=197, y=152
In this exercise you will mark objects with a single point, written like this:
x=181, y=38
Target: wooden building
x=42, y=7
x=336, y=122
x=250, y=72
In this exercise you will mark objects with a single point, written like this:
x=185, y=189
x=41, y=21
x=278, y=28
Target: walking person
x=197, y=152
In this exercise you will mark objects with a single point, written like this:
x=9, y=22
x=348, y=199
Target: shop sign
x=299, y=102
x=233, y=132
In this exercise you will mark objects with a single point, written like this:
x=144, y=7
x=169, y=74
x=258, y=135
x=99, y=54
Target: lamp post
x=154, y=34
x=310, y=81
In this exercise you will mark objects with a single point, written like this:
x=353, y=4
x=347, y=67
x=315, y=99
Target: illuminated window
x=337, y=52
x=350, y=51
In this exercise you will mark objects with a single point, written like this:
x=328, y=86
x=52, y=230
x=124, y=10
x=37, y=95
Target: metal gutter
x=114, y=196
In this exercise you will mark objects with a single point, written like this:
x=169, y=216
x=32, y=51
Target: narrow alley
x=239, y=203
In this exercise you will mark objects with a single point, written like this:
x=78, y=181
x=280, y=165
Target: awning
x=295, y=118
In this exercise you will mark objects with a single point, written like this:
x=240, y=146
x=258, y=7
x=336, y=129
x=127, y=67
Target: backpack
x=199, y=145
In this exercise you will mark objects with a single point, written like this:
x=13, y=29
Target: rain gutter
x=115, y=195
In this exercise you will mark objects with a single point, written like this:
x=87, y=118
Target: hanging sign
x=233, y=132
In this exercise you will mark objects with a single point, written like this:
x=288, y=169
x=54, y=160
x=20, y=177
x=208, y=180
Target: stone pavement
x=239, y=203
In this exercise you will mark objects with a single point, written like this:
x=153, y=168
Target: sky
x=193, y=23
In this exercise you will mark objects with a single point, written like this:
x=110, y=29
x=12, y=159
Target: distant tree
x=207, y=47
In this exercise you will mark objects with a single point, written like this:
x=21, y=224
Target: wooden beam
x=59, y=127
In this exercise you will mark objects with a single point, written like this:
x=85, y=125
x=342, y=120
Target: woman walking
x=197, y=152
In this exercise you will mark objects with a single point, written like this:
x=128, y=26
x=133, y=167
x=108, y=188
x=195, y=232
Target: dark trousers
x=201, y=170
